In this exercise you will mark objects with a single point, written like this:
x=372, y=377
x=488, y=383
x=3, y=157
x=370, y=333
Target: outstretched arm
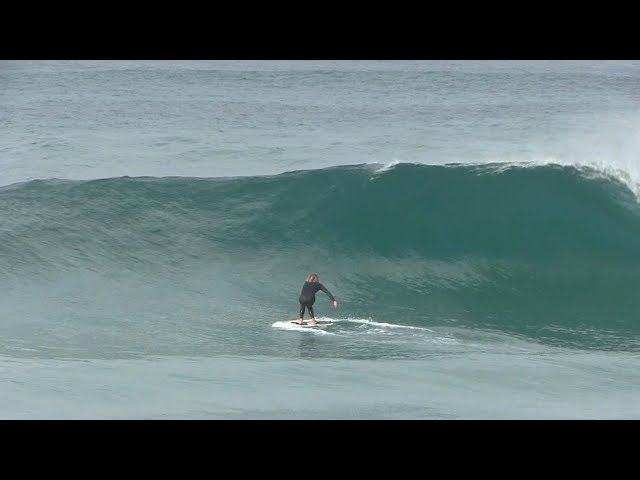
x=324, y=289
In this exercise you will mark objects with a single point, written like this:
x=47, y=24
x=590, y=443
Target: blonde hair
x=313, y=278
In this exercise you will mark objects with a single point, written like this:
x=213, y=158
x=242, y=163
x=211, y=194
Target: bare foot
x=299, y=321
x=313, y=322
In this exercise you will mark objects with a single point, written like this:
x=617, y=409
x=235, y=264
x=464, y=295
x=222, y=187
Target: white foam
x=624, y=169
x=388, y=166
x=368, y=321
x=288, y=325
x=384, y=168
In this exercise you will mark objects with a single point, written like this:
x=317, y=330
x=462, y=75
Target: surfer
x=308, y=297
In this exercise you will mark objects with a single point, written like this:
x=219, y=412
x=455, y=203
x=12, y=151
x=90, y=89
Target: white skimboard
x=320, y=324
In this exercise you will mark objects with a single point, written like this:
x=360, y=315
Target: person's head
x=313, y=278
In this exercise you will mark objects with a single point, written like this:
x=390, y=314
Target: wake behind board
x=320, y=324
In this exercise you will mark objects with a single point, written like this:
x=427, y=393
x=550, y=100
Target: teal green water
x=546, y=252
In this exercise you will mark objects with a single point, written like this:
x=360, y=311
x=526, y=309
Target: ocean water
x=477, y=221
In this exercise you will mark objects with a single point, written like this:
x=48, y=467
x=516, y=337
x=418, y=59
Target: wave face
x=548, y=252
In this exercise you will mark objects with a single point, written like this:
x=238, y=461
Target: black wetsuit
x=308, y=296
